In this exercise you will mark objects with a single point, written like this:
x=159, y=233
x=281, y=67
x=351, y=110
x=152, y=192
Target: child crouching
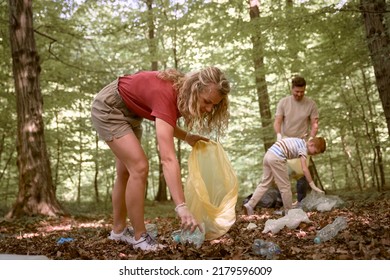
x=275, y=168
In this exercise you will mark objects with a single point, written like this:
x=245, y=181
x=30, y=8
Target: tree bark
x=261, y=85
x=378, y=40
x=36, y=191
x=373, y=136
x=96, y=177
x=162, y=184
x=292, y=40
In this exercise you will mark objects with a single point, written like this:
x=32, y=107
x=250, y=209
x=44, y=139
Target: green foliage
x=84, y=45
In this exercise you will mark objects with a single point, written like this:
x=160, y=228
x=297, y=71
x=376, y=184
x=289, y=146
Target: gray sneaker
x=126, y=236
x=147, y=243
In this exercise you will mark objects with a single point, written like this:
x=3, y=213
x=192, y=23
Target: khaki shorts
x=110, y=116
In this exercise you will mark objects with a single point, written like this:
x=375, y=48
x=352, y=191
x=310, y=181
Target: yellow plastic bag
x=211, y=190
x=295, y=167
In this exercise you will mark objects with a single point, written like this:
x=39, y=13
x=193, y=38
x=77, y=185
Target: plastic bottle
x=152, y=230
x=63, y=240
x=185, y=236
x=265, y=248
x=176, y=236
x=331, y=230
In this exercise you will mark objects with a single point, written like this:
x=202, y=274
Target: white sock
x=117, y=234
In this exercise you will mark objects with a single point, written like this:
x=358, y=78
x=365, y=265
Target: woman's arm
x=171, y=169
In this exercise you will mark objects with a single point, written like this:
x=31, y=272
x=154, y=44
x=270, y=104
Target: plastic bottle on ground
x=185, y=236
x=63, y=240
x=176, y=236
x=331, y=230
x=152, y=230
x=265, y=248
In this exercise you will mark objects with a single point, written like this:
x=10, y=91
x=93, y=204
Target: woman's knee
x=141, y=168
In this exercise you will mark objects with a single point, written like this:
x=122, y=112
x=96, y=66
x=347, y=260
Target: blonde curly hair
x=189, y=86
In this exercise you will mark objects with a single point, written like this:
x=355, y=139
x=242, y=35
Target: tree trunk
x=261, y=85
x=176, y=60
x=81, y=159
x=315, y=175
x=162, y=185
x=373, y=136
x=292, y=40
x=36, y=191
x=378, y=40
x=152, y=40
x=354, y=171
x=58, y=152
x=162, y=194
x=96, y=177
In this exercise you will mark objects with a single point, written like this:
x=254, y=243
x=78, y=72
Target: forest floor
x=367, y=236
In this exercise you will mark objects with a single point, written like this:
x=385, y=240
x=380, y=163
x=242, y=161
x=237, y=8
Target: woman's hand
x=188, y=221
x=191, y=139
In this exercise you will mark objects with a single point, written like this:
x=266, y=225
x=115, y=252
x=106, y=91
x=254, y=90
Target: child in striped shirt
x=275, y=168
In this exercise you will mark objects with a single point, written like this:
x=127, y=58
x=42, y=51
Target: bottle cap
x=317, y=240
x=176, y=236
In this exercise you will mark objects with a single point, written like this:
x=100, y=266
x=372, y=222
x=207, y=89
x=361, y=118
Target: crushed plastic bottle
x=331, y=230
x=321, y=202
x=251, y=226
x=185, y=236
x=292, y=220
x=63, y=240
x=152, y=230
x=265, y=248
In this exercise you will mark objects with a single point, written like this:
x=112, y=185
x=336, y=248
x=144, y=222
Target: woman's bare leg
x=130, y=184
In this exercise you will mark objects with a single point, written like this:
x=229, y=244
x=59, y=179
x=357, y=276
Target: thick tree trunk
x=378, y=40
x=36, y=191
x=261, y=85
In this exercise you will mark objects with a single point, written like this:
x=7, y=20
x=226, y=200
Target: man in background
x=297, y=116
